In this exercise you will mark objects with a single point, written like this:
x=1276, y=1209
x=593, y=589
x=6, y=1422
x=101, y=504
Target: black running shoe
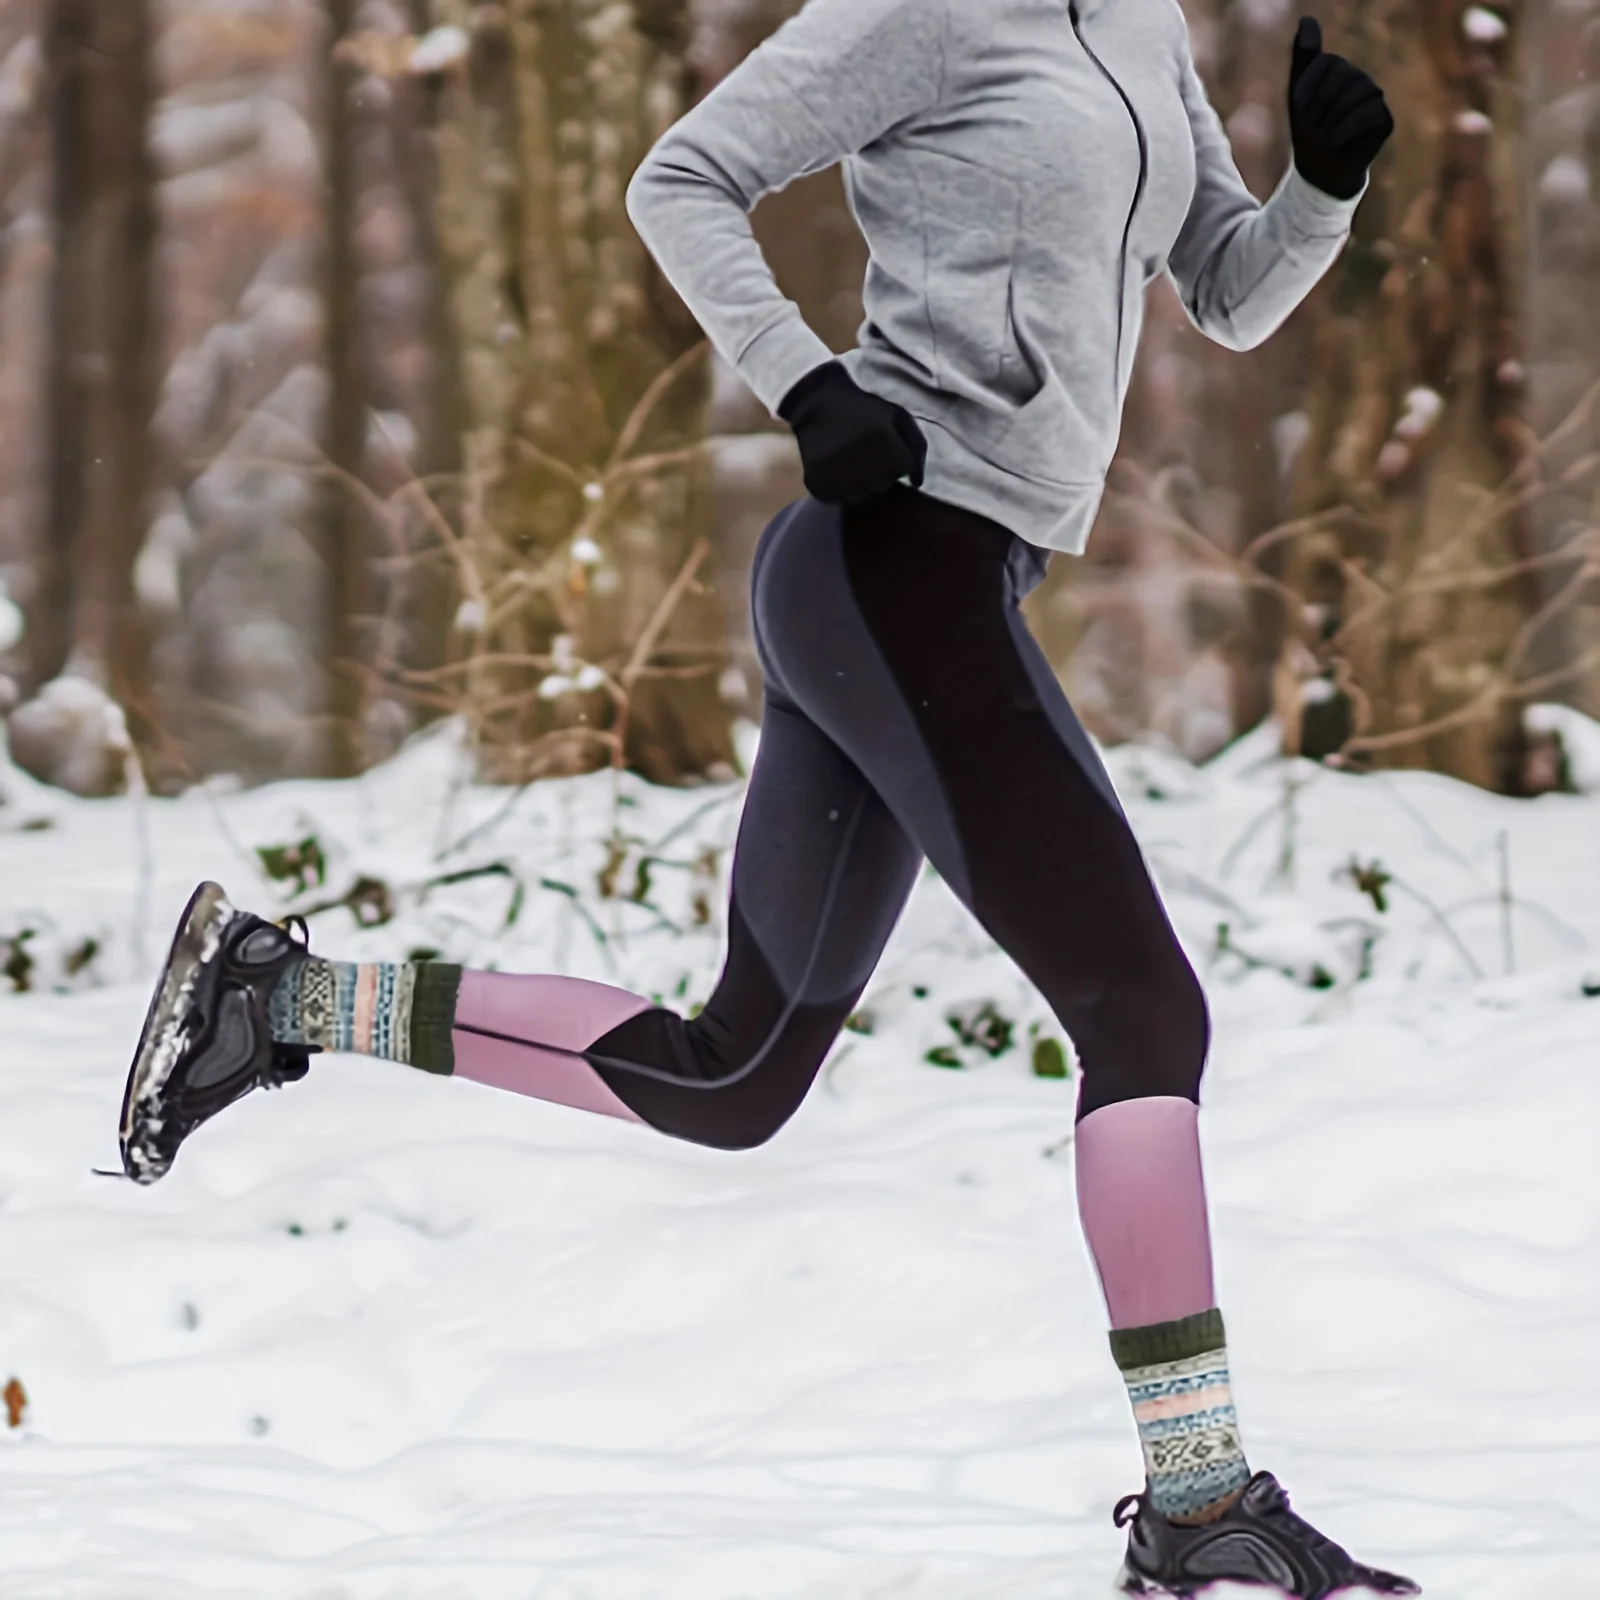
x=1258, y=1540
x=207, y=1041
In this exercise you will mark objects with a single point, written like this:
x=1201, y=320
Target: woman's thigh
x=895, y=628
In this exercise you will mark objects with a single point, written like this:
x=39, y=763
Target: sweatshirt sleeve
x=831, y=80
x=1241, y=265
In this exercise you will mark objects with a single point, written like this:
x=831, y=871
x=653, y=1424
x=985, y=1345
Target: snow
x=439, y=50
x=1482, y=25
x=1580, y=738
x=382, y=1335
x=74, y=733
x=1565, y=180
x=1423, y=406
x=11, y=622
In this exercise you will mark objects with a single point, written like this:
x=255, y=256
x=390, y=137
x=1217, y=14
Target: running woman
x=1021, y=170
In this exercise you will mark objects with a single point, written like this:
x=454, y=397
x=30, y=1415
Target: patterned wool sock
x=396, y=1012
x=1177, y=1378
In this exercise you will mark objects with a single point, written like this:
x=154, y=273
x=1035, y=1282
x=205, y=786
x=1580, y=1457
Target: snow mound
x=385, y=1336
x=72, y=734
x=1580, y=741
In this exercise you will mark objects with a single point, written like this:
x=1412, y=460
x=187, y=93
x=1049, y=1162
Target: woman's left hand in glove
x=1338, y=120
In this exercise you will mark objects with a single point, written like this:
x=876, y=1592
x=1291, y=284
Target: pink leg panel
x=1142, y=1202
x=568, y=1012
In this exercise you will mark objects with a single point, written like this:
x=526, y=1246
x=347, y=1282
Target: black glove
x=853, y=445
x=1337, y=117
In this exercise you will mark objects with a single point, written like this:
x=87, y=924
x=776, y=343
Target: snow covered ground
x=383, y=1335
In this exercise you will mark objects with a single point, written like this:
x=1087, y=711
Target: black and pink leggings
x=909, y=714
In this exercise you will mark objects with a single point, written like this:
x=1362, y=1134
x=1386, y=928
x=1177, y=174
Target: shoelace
x=1318, y=1543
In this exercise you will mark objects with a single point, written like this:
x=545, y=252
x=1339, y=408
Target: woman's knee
x=732, y=1098
x=1151, y=1038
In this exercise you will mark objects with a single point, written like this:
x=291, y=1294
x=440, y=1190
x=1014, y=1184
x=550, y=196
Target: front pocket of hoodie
x=1049, y=440
x=1048, y=431
x=969, y=223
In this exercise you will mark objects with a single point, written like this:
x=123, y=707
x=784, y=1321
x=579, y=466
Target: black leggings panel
x=910, y=714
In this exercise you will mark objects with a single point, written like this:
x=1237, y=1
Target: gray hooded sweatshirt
x=1021, y=170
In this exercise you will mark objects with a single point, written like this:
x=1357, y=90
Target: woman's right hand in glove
x=853, y=445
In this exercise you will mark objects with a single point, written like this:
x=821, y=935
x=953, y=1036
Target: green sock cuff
x=433, y=1015
x=1168, y=1341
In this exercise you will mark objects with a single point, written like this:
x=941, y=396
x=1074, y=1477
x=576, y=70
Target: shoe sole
x=195, y=942
x=1131, y=1582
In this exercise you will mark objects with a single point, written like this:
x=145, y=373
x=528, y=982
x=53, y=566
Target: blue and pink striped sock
x=1177, y=1378
x=396, y=1011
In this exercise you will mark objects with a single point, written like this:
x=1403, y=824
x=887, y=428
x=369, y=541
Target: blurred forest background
x=337, y=394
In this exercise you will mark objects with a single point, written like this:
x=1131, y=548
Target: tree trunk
x=1414, y=566
x=432, y=591
x=341, y=519
x=26, y=261
x=1561, y=160
x=577, y=361
x=102, y=380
